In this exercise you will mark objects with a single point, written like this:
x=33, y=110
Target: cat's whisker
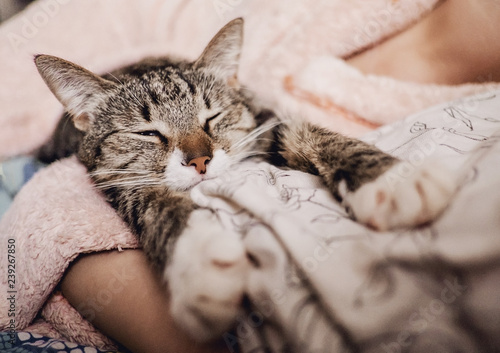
x=139, y=172
x=122, y=180
x=137, y=177
x=262, y=139
x=128, y=186
x=251, y=153
x=118, y=171
x=139, y=101
x=235, y=158
x=254, y=135
x=129, y=183
x=116, y=78
x=253, y=139
x=109, y=178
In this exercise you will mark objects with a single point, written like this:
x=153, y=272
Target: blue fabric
x=25, y=342
x=14, y=173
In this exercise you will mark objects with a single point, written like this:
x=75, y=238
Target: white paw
x=206, y=277
x=404, y=196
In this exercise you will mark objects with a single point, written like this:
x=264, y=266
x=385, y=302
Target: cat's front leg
x=206, y=276
x=378, y=189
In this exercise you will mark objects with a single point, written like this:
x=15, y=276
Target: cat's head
x=159, y=122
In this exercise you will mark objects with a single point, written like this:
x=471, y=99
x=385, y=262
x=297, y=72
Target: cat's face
x=159, y=123
x=173, y=126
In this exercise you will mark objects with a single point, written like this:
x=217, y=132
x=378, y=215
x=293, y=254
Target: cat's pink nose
x=200, y=163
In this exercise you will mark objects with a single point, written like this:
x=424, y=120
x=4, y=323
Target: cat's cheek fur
x=218, y=165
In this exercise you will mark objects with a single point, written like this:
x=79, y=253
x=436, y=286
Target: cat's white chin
x=182, y=178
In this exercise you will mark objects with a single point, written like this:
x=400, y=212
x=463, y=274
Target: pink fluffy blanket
x=292, y=59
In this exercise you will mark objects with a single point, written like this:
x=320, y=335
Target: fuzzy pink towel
x=49, y=224
x=291, y=59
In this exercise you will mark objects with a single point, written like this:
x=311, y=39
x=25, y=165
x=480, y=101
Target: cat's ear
x=78, y=89
x=222, y=54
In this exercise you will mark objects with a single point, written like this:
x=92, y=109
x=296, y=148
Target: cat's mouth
x=197, y=182
x=182, y=177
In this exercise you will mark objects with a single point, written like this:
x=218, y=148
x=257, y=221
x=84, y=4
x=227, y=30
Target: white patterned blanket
x=325, y=283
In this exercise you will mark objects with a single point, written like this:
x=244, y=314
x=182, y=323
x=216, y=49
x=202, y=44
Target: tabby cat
x=149, y=132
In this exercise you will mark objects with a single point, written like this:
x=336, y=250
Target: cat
x=149, y=132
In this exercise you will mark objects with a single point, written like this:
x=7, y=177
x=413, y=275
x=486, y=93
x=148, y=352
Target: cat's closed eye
x=206, y=128
x=149, y=133
x=153, y=133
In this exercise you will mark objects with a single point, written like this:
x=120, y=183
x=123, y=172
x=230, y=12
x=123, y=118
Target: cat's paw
x=207, y=277
x=404, y=196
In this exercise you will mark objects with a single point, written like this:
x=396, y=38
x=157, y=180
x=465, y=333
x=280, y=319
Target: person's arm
x=122, y=296
x=456, y=43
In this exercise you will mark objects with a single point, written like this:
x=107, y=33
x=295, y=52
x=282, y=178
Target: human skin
x=137, y=314
x=456, y=43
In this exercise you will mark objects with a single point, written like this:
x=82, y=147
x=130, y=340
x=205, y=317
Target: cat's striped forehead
x=171, y=95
